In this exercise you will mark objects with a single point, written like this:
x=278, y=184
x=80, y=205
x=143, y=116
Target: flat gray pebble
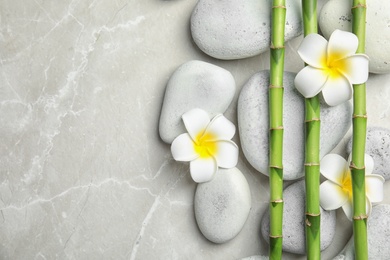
x=378, y=146
x=253, y=124
x=294, y=221
x=222, y=205
x=235, y=29
x=195, y=84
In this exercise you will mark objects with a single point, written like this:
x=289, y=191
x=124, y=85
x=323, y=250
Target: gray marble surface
x=83, y=172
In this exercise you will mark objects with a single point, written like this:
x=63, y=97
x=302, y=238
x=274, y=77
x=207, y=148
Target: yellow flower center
x=334, y=65
x=204, y=146
x=346, y=184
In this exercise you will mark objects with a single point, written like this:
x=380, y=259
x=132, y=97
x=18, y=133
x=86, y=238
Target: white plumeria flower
x=337, y=190
x=332, y=67
x=207, y=144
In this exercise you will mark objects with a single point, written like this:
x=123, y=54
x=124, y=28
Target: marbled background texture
x=83, y=172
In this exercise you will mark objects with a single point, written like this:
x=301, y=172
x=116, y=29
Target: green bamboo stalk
x=276, y=127
x=359, y=141
x=312, y=150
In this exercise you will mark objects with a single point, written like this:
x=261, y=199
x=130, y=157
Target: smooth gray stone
x=336, y=14
x=294, y=221
x=222, y=205
x=253, y=124
x=378, y=146
x=195, y=84
x=256, y=257
x=236, y=29
x=378, y=233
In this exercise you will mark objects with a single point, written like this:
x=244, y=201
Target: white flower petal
x=313, y=50
x=333, y=167
x=332, y=196
x=310, y=81
x=182, y=148
x=221, y=128
x=348, y=209
x=227, y=154
x=342, y=44
x=203, y=169
x=374, y=187
x=337, y=90
x=354, y=67
x=368, y=207
x=369, y=164
x=196, y=121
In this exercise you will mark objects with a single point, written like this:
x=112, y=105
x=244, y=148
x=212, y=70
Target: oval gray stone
x=222, y=205
x=235, y=29
x=336, y=14
x=294, y=221
x=378, y=147
x=378, y=233
x=195, y=84
x=253, y=124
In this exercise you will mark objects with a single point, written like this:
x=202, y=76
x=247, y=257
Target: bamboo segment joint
x=279, y=6
x=276, y=128
x=311, y=164
x=276, y=236
x=353, y=166
x=274, y=86
x=359, y=116
x=276, y=167
x=277, y=201
x=361, y=217
x=313, y=120
x=273, y=47
x=359, y=6
x=312, y=214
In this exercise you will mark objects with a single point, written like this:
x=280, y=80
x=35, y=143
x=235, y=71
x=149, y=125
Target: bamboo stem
x=359, y=141
x=312, y=150
x=276, y=127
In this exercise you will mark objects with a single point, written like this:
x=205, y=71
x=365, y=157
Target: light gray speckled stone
x=347, y=253
x=222, y=205
x=235, y=29
x=253, y=124
x=378, y=146
x=195, y=84
x=256, y=257
x=378, y=232
x=294, y=221
x=337, y=15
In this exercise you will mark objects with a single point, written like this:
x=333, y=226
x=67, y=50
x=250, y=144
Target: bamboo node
x=359, y=116
x=279, y=6
x=276, y=167
x=361, y=217
x=313, y=120
x=277, y=236
x=359, y=6
x=353, y=166
x=274, y=86
x=277, y=201
x=311, y=164
x=273, y=47
x=312, y=214
x=277, y=128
